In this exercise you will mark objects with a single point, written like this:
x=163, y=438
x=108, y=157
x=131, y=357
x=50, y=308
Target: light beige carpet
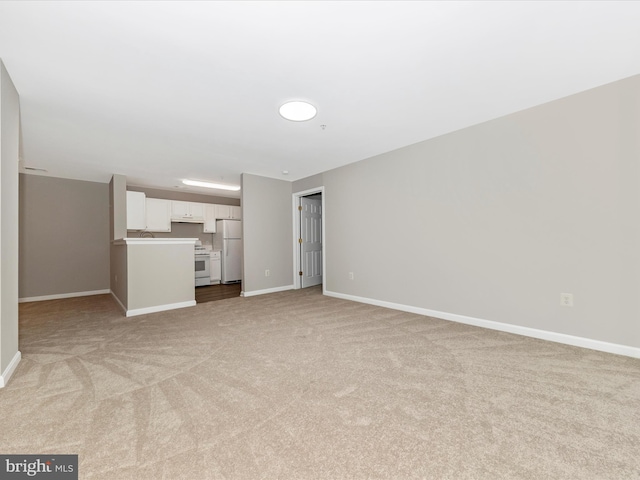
x=295, y=385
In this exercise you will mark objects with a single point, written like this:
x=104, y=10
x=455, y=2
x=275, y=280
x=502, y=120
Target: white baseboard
x=503, y=327
x=13, y=364
x=63, y=295
x=159, y=308
x=113, y=295
x=154, y=309
x=267, y=290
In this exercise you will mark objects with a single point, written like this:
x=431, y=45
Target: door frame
x=295, y=200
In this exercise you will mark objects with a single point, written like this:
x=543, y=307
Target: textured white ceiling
x=160, y=91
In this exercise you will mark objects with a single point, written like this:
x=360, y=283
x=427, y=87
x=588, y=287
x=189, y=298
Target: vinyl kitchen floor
x=211, y=293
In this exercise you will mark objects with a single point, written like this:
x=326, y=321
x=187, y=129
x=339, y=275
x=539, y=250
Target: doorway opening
x=309, y=262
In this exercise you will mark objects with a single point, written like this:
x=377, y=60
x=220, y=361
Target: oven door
x=202, y=266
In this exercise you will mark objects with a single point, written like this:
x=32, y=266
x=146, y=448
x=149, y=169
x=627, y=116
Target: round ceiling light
x=298, y=111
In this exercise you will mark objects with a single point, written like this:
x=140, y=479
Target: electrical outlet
x=566, y=299
x=267, y=273
x=350, y=275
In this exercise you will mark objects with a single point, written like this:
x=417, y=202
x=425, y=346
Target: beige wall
x=159, y=275
x=118, y=207
x=118, y=280
x=308, y=183
x=118, y=272
x=496, y=220
x=9, y=148
x=267, y=233
x=64, y=236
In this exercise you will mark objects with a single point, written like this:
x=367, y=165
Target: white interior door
x=311, y=244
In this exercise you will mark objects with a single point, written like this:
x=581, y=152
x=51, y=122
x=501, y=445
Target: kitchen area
x=214, y=228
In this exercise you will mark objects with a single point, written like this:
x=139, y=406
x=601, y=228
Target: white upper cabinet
x=209, y=218
x=187, y=212
x=222, y=212
x=136, y=211
x=179, y=209
x=158, y=215
x=226, y=212
x=236, y=213
x=197, y=211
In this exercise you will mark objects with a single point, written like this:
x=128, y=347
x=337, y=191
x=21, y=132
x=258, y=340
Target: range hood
x=187, y=220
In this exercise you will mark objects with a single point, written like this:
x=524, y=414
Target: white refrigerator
x=228, y=239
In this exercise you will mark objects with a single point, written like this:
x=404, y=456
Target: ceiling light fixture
x=298, y=111
x=197, y=183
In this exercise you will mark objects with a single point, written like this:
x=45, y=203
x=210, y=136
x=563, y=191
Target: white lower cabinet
x=158, y=215
x=215, y=270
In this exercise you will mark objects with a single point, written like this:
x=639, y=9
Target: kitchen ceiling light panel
x=197, y=183
x=298, y=111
